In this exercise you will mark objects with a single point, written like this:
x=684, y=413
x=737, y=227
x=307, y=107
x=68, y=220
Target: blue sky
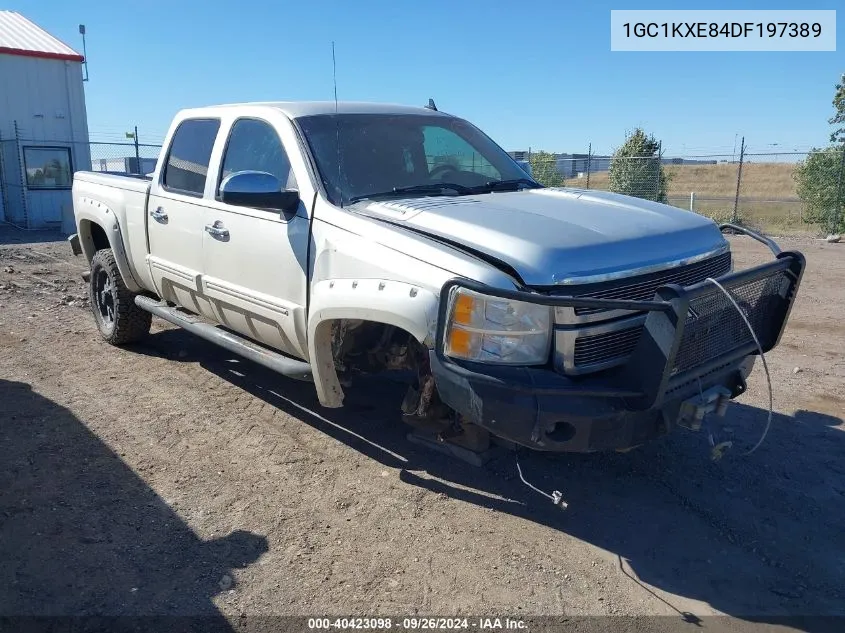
x=531, y=74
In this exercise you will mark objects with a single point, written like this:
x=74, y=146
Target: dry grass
x=773, y=182
x=759, y=180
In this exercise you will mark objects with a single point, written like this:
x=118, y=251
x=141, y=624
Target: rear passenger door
x=255, y=274
x=175, y=215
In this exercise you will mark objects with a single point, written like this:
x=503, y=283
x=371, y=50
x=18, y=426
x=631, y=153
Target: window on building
x=254, y=146
x=48, y=167
x=190, y=153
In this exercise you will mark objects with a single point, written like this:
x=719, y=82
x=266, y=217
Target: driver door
x=254, y=261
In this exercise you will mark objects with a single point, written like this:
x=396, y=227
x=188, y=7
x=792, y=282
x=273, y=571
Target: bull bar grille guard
x=689, y=332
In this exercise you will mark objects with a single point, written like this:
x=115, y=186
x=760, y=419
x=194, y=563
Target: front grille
x=598, y=349
x=643, y=288
x=589, y=352
x=713, y=326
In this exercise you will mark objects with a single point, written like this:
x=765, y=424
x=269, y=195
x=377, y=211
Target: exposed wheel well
x=93, y=237
x=98, y=237
x=371, y=346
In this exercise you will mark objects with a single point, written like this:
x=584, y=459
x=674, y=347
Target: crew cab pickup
x=325, y=240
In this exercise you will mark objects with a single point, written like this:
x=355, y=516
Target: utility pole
x=589, y=156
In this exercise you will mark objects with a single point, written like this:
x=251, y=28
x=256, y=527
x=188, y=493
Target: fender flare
x=410, y=307
x=95, y=212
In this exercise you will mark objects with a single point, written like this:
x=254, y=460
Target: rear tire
x=119, y=320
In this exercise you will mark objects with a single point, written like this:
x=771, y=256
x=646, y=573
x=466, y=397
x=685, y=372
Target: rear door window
x=187, y=163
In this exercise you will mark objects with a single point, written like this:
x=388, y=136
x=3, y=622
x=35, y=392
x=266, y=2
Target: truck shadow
x=82, y=535
x=757, y=537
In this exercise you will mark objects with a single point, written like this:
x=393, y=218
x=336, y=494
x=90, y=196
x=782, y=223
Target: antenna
x=84, y=52
x=337, y=127
x=334, y=77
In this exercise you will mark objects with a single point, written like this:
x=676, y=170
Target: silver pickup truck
x=326, y=240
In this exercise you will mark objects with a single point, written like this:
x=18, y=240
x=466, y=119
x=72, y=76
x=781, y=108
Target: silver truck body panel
x=557, y=236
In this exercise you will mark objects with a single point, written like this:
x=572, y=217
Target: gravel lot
x=172, y=478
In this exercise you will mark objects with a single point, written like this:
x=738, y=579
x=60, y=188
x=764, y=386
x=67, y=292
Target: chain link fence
x=124, y=158
x=12, y=184
x=780, y=191
x=36, y=174
x=783, y=191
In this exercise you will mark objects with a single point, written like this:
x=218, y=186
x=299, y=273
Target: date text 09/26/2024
x=417, y=624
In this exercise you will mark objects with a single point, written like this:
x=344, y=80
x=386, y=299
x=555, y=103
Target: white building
x=43, y=125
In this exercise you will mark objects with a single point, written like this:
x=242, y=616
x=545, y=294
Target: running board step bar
x=290, y=367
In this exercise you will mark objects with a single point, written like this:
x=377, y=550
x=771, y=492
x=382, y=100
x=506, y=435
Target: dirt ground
x=173, y=478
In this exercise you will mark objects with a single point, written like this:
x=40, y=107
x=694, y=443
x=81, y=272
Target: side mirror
x=258, y=190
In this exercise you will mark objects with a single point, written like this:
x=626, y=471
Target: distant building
x=688, y=161
x=43, y=125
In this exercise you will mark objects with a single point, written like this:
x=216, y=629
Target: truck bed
x=126, y=198
x=126, y=182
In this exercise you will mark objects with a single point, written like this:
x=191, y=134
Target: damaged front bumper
x=693, y=356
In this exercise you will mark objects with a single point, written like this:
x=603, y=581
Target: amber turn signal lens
x=459, y=342
x=464, y=304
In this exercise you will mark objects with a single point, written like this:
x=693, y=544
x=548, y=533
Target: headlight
x=494, y=330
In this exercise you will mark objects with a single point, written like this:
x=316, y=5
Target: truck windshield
x=382, y=155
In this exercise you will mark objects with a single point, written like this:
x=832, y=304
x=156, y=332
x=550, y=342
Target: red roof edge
x=41, y=54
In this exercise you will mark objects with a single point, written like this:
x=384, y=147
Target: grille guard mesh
x=713, y=327
x=703, y=330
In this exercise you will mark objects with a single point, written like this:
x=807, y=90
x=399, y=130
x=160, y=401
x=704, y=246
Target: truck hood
x=557, y=236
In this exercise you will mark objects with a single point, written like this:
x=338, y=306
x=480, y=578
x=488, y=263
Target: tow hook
x=692, y=411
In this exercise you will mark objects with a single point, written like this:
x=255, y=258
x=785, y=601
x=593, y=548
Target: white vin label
x=669, y=30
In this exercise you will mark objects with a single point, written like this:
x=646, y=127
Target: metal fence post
x=22, y=171
x=4, y=182
x=589, y=160
x=738, y=180
x=837, y=209
x=137, y=152
x=659, y=165
x=692, y=201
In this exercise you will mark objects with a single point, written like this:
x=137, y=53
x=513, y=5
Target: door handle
x=159, y=215
x=217, y=230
